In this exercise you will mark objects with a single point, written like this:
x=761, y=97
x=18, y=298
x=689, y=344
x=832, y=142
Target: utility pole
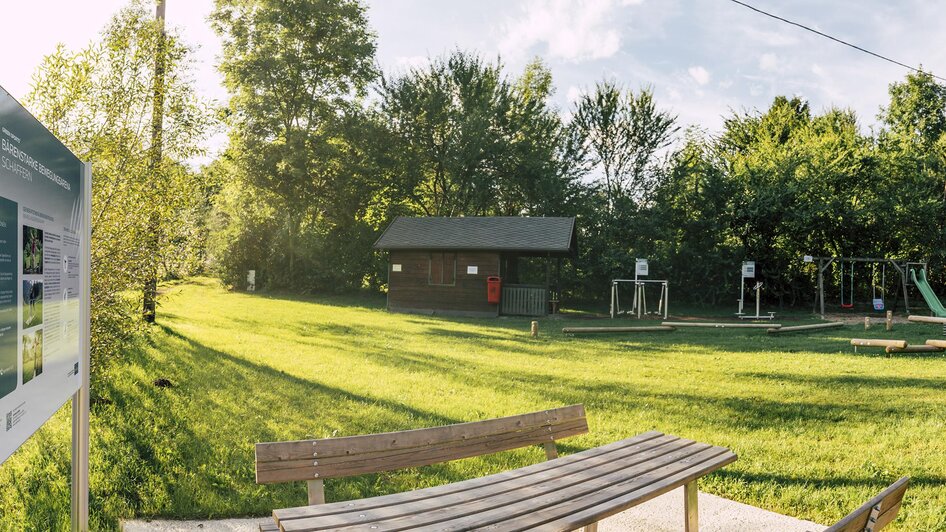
x=149, y=306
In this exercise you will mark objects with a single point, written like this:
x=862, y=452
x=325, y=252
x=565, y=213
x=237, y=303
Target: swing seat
x=847, y=305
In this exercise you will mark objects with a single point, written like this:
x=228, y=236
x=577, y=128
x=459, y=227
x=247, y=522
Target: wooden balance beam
x=878, y=342
x=590, y=330
x=927, y=319
x=812, y=327
x=914, y=349
x=722, y=325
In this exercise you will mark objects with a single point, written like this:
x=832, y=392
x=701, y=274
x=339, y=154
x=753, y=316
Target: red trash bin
x=494, y=290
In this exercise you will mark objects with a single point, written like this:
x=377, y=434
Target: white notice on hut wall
x=472, y=270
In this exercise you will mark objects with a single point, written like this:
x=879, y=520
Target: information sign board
x=748, y=269
x=43, y=247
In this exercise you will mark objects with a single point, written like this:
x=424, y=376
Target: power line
x=835, y=39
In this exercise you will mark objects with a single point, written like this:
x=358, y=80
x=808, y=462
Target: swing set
x=877, y=302
x=878, y=289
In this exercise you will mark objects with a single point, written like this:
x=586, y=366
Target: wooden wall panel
x=409, y=289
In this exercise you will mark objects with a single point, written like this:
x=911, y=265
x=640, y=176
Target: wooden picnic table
x=558, y=495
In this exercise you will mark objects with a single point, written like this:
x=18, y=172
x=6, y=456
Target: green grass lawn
x=818, y=428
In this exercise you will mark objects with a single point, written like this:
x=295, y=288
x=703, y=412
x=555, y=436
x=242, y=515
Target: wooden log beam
x=588, y=330
x=914, y=349
x=937, y=343
x=878, y=342
x=927, y=319
x=722, y=325
x=812, y=327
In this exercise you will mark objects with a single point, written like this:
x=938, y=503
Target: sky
x=704, y=59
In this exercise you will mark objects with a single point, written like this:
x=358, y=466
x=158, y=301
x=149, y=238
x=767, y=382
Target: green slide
x=928, y=293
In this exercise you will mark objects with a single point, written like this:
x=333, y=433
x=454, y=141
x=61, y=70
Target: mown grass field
x=818, y=428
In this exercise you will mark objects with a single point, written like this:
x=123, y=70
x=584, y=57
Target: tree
x=466, y=141
x=99, y=102
x=624, y=132
x=293, y=69
x=912, y=149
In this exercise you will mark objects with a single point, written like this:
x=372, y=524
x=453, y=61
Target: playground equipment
x=590, y=330
x=877, y=342
x=849, y=304
x=639, y=306
x=723, y=325
x=902, y=268
x=936, y=307
x=797, y=328
x=879, y=302
x=748, y=272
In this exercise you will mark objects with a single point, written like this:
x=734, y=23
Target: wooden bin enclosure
x=440, y=265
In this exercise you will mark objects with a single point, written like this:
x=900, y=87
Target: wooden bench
x=313, y=461
x=876, y=513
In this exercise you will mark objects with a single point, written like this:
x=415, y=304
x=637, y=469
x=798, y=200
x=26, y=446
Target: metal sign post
x=80, y=401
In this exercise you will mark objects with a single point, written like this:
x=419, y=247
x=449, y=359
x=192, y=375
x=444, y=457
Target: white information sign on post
x=641, y=268
x=44, y=286
x=748, y=269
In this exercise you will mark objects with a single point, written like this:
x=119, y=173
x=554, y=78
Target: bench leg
x=690, y=507
x=593, y=527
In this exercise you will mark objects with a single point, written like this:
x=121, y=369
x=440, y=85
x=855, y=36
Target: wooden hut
x=441, y=265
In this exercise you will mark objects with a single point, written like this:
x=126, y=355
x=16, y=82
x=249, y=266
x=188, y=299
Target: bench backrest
x=373, y=453
x=875, y=513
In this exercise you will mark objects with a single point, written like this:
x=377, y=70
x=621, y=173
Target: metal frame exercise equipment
x=639, y=306
x=748, y=272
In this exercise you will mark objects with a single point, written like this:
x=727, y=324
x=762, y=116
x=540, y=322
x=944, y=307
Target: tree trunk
x=150, y=295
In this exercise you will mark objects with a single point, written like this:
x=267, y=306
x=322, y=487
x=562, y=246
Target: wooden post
x=316, y=489
x=866, y=322
x=535, y=329
x=889, y=320
x=551, y=451
x=690, y=494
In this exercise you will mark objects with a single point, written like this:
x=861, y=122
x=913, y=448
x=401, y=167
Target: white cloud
x=411, y=61
x=770, y=38
x=699, y=74
x=573, y=93
x=768, y=62
x=573, y=31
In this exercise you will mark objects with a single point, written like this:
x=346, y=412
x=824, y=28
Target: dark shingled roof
x=488, y=233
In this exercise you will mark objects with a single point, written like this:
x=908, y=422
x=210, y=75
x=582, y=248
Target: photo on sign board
x=32, y=355
x=32, y=251
x=32, y=303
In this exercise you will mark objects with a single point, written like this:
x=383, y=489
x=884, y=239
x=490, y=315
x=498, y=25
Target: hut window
x=443, y=269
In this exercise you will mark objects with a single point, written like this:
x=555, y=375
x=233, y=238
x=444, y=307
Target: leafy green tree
x=293, y=69
x=912, y=149
x=465, y=140
x=99, y=102
x=624, y=132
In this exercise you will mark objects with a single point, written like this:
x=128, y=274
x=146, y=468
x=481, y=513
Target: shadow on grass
x=187, y=451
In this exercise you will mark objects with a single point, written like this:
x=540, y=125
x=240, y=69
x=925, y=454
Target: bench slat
x=510, y=488
x=366, y=443
x=514, y=515
x=640, y=442
x=356, y=455
x=611, y=475
x=359, y=464
x=889, y=500
x=600, y=505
